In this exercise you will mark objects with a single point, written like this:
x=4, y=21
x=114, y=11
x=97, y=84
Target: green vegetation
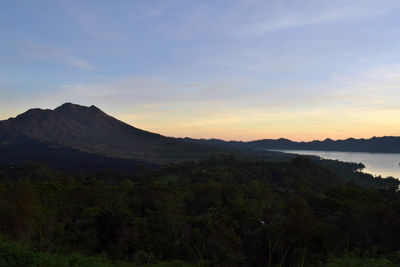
x=13, y=254
x=218, y=212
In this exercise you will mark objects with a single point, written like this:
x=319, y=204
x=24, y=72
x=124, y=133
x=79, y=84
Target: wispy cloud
x=35, y=51
x=80, y=63
x=376, y=81
x=254, y=65
x=282, y=15
x=152, y=90
x=373, y=87
x=155, y=11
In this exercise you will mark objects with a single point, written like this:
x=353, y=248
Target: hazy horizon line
x=213, y=138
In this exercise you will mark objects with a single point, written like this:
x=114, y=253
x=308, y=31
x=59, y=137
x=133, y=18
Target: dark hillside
x=89, y=129
x=24, y=149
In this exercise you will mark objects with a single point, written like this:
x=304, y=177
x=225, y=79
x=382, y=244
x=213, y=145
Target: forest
x=222, y=211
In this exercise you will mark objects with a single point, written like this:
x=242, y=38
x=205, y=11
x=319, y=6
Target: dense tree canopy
x=218, y=212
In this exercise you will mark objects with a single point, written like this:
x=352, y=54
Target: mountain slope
x=27, y=150
x=89, y=129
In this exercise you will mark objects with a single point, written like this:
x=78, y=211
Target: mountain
x=86, y=137
x=386, y=144
x=90, y=130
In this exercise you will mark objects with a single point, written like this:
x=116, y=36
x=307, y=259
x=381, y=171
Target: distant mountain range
x=386, y=144
x=86, y=137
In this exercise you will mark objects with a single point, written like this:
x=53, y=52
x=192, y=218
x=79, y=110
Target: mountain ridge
x=384, y=144
x=89, y=129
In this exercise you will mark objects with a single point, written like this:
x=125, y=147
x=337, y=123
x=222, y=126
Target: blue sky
x=238, y=70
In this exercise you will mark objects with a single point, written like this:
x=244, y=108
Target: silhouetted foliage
x=219, y=212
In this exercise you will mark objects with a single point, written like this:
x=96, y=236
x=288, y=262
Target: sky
x=234, y=70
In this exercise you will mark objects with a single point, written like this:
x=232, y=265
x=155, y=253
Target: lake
x=383, y=164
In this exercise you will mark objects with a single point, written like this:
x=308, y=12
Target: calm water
x=383, y=164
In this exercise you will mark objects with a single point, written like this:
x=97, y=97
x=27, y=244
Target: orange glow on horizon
x=254, y=124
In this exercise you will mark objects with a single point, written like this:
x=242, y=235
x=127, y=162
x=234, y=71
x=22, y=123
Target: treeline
x=218, y=212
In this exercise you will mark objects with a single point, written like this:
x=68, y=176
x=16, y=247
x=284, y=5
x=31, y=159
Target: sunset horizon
x=164, y=133
x=221, y=135
x=244, y=71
